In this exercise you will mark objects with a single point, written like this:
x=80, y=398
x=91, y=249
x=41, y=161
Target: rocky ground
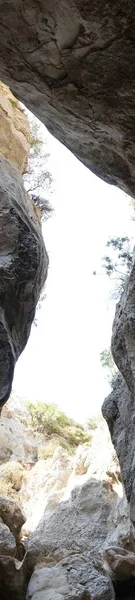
x=65, y=530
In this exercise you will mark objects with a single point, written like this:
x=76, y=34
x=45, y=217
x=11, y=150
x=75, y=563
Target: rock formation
x=72, y=64
x=14, y=129
x=119, y=407
x=23, y=270
x=23, y=257
x=81, y=543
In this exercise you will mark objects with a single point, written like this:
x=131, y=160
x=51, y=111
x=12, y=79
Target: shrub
x=47, y=418
x=50, y=420
x=77, y=435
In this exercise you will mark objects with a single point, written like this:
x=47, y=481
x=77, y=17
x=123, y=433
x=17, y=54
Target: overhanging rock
x=72, y=64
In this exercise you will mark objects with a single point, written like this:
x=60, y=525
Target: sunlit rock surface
x=77, y=539
x=14, y=129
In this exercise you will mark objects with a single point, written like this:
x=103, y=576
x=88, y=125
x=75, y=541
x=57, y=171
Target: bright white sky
x=61, y=362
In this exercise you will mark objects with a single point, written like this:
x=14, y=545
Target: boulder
x=73, y=577
x=23, y=270
x=14, y=578
x=11, y=514
x=7, y=541
x=121, y=563
x=44, y=486
x=72, y=64
x=87, y=520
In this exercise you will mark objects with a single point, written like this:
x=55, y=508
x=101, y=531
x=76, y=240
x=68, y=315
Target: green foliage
x=124, y=256
x=47, y=451
x=50, y=420
x=36, y=142
x=47, y=418
x=76, y=435
x=38, y=178
x=118, y=263
x=108, y=363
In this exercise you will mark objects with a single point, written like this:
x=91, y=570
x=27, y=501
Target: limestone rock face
x=44, y=486
x=81, y=537
x=7, y=541
x=118, y=410
x=13, y=578
x=72, y=64
x=93, y=518
x=121, y=562
x=119, y=407
x=23, y=270
x=73, y=577
x=14, y=129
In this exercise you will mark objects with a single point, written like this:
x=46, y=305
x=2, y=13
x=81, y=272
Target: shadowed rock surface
x=72, y=64
x=119, y=407
x=23, y=270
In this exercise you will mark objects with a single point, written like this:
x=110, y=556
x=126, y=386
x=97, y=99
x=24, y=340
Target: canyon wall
x=72, y=64
x=23, y=257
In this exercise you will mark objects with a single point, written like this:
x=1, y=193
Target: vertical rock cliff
x=14, y=129
x=23, y=257
x=119, y=407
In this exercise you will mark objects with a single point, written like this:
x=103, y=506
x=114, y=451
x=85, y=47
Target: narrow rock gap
x=125, y=590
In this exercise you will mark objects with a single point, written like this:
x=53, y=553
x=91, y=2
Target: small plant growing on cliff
x=118, y=262
x=108, y=364
x=38, y=179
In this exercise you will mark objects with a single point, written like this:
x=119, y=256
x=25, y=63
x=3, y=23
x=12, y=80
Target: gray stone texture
x=72, y=64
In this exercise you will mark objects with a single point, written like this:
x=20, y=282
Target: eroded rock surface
x=14, y=129
x=7, y=540
x=13, y=572
x=82, y=542
x=73, y=577
x=72, y=64
x=118, y=410
x=119, y=407
x=11, y=514
x=23, y=270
